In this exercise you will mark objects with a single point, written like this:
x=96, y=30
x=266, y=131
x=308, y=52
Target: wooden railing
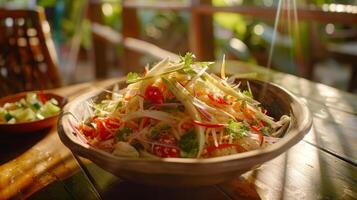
x=201, y=40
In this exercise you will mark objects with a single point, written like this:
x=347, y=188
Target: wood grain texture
x=100, y=47
x=130, y=28
x=304, y=172
x=201, y=33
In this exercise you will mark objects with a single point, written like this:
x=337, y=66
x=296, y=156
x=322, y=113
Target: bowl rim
x=19, y=95
x=286, y=142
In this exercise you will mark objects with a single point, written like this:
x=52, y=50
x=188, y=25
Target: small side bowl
x=32, y=126
x=184, y=172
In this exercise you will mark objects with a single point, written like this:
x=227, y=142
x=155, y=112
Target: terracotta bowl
x=33, y=126
x=190, y=172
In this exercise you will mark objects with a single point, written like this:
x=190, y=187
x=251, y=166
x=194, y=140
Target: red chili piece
x=207, y=125
x=219, y=100
x=165, y=151
x=260, y=134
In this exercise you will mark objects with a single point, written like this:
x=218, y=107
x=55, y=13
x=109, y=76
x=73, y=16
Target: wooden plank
x=304, y=13
x=127, y=190
x=130, y=28
x=353, y=82
x=201, y=33
x=159, y=5
x=304, y=172
x=334, y=139
x=36, y=168
x=99, y=46
x=337, y=117
x=74, y=187
x=111, y=187
x=326, y=95
x=108, y=34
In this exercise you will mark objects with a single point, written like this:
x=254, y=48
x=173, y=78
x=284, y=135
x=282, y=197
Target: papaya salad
x=178, y=109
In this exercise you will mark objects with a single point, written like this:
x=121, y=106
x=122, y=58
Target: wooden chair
x=27, y=55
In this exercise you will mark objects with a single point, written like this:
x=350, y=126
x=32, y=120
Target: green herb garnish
x=155, y=134
x=8, y=117
x=248, y=93
x=132, y=77
x=124, y=132
x=188, y=145
x=265, y=131
x=237, y=129
x=36, y=105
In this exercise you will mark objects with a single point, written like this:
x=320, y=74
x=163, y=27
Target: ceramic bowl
x=32, y=126
x=183, y=171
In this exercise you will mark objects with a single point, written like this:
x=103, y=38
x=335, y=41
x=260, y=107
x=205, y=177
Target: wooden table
x=322, y=166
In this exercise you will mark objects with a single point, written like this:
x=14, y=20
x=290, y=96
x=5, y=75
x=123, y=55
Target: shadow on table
x=111, y=187
x=11, y=146
x=128, y=190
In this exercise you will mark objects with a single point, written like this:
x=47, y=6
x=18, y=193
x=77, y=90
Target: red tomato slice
x=106, y=127
x=166, y=151
x=154, y=94
x=88, y=131
x=42, y=97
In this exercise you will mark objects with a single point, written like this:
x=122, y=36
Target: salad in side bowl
x=179, y=125
x=29, y=111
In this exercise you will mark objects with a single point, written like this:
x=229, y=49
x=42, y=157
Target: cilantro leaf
x=124, y=132
x=187, y=59
x=155, y=133
x=237, y=129
x=132, y=77
x=187, y=62
x=188, y=145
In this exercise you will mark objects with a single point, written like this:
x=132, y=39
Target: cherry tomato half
x=106, y=127
x=154, y=94
x=42, y=97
